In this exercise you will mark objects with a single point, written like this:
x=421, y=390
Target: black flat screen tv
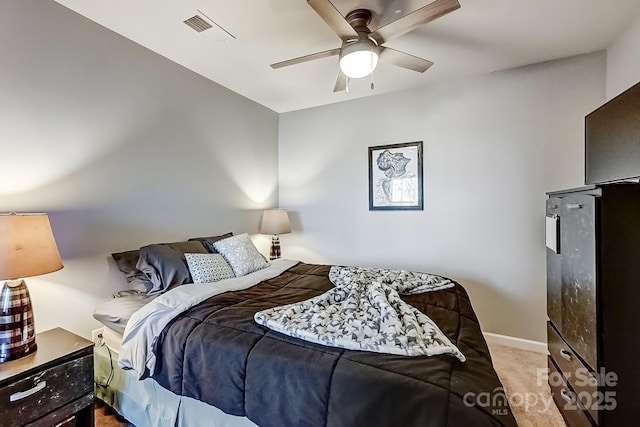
x=612, y=139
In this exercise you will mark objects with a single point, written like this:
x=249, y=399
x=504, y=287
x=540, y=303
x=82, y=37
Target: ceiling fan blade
x=341, y=82
x=404, y=60
x=333, y=18
x=306, y=58
x=413, y=20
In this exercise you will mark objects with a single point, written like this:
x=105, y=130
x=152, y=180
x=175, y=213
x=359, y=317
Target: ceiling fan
x=361, y=48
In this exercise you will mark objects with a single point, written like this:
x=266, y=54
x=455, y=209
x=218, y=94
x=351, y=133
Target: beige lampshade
x=27, y=246
x=275, y=221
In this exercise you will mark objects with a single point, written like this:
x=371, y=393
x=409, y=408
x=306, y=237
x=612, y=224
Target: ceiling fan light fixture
x=359, y=59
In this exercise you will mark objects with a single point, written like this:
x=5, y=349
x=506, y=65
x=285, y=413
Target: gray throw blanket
x=364, y=312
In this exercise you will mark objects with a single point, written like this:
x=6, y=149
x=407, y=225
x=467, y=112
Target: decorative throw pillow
x=207, y=268
x=241, y=254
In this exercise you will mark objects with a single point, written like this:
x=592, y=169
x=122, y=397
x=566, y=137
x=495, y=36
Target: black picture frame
x=395, y=177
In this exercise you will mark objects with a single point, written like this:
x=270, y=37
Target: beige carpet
x=529, y=395
x=517, y=370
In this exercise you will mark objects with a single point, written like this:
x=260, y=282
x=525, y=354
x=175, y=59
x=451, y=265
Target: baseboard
x=522, y=344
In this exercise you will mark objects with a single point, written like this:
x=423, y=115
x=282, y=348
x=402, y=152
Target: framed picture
x=395, y=177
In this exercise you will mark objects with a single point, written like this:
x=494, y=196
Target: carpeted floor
x=527, y=389
x=518, y=370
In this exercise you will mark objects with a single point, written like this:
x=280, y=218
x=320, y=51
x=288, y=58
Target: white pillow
x=241, y=254
x=207, y=268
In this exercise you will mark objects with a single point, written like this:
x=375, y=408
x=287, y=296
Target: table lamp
x=27, y=248
x=275, y=222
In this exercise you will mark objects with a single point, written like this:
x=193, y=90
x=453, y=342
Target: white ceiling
x=482, y=36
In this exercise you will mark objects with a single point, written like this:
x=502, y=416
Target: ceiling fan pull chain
x=346, y=86
x=373, y=68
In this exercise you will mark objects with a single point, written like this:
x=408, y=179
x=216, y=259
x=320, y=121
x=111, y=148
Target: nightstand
x=51, y=387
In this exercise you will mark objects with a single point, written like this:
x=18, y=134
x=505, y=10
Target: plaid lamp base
x=274, y=253
x=17, y=331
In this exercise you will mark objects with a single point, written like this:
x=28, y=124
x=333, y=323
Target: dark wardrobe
x=593, y=303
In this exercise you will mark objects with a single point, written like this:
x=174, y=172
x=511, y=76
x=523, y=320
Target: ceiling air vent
x=205, y=26
x=198, y=24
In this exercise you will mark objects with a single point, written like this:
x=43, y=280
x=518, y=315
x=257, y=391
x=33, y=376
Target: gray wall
x=623, y=61
x=493, y=145
x=122, y=148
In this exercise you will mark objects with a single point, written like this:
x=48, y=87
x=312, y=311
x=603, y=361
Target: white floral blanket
x=364, y=312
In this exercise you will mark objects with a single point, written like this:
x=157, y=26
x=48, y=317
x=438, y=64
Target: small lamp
x=27, y=248
x=275, y=222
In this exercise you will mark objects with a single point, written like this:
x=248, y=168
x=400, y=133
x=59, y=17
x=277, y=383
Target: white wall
x=493, y=145
x=623, y=61
x=122, y=148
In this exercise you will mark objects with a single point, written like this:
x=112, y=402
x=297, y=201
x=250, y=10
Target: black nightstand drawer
x=47, y=390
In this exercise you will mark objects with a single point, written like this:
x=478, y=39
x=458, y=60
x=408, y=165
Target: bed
x=214, y=365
